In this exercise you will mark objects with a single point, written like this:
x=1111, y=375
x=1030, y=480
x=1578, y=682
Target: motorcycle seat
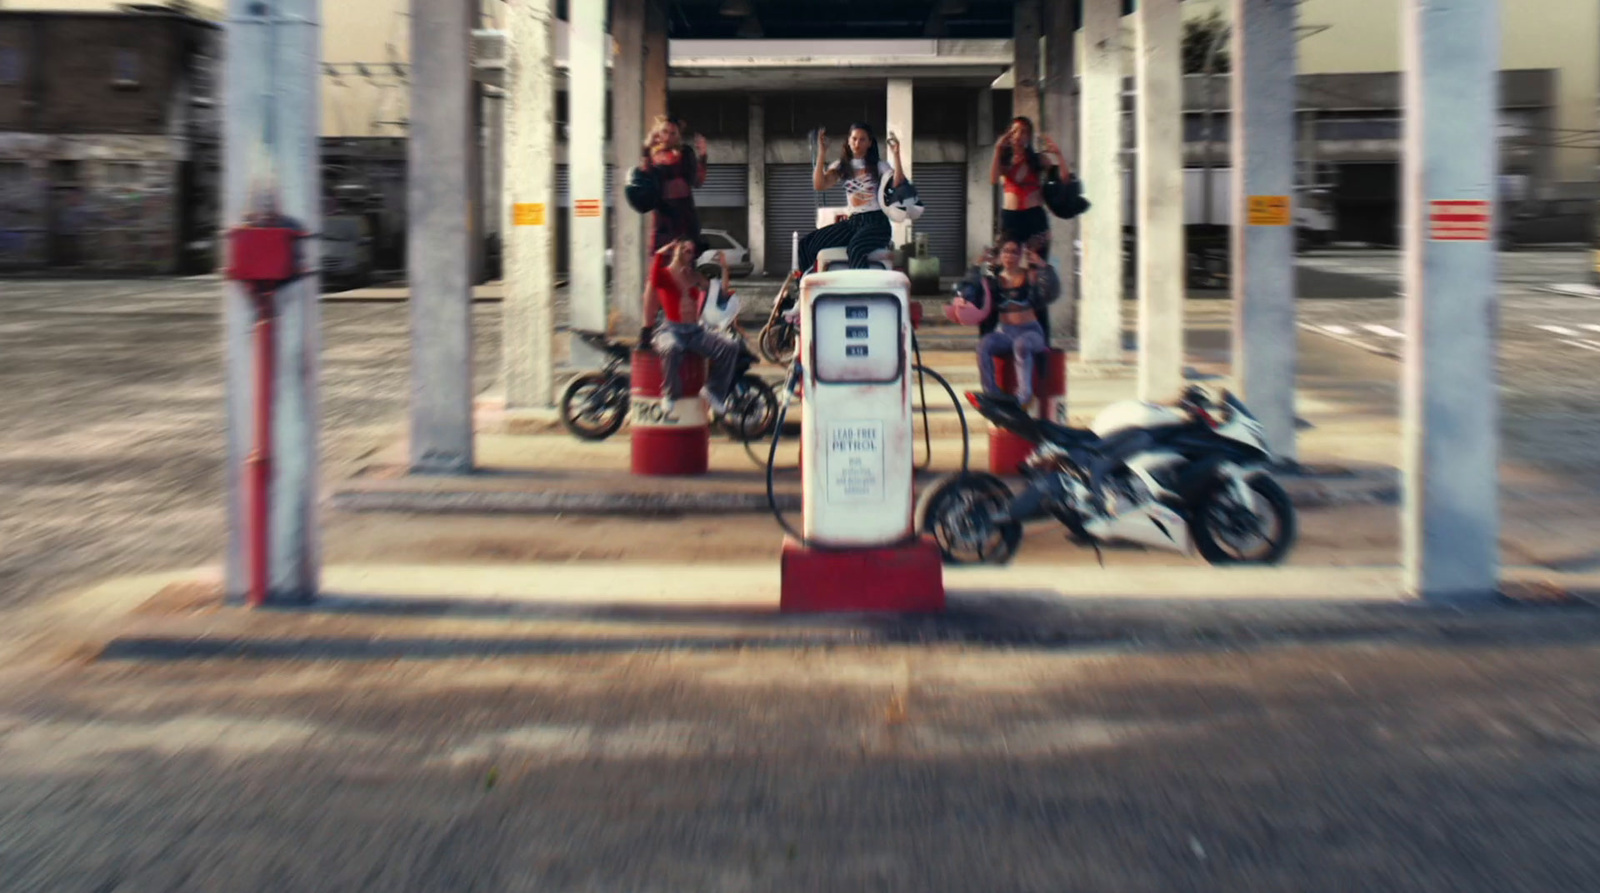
x=1065, y=436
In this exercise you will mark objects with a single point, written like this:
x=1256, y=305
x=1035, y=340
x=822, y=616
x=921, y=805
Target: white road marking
x=1593, y=327
x=1385, y=331
x=1585, y=344
x=1559, y=330
x=1335, y=330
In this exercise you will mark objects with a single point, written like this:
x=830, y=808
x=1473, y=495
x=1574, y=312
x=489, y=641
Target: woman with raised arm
x=679, y=171
x=859, y=168
x=1020, y=172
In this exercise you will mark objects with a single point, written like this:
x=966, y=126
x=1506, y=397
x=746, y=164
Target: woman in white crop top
x=861, y=171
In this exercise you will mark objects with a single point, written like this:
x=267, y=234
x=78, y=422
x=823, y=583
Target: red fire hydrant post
x=262, y=259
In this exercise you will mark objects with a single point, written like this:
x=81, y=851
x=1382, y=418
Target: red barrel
x=1007, y=450
x=678, y=443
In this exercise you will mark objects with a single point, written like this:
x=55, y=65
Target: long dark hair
x=871, y=158
x=1029, y=156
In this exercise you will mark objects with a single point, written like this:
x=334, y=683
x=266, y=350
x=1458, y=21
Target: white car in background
x=716, y=240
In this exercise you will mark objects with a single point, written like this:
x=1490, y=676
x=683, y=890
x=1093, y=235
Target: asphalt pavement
x=1445, y=754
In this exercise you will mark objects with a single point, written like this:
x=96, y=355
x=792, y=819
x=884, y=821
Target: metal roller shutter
x=725, y=187
x=792, y=207
x=943, y=190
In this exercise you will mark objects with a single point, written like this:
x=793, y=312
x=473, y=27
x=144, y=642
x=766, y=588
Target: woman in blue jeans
x=1023, y=287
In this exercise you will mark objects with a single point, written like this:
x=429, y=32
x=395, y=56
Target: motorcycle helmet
x=643, y=191
x=970, y=306
x=899, y=203
x=1064, y=198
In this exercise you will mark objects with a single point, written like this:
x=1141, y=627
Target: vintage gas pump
x=858, y=548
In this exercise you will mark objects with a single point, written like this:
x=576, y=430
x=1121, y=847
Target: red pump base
x=905, y=579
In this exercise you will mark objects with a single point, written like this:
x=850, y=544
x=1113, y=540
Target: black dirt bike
x=595, y=404
x=780, y=337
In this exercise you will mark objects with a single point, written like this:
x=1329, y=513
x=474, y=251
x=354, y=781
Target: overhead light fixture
x=735, y=8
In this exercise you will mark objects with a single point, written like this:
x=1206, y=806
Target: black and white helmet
x=900, y=203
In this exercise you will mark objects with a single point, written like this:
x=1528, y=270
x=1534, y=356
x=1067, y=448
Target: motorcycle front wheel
x=1228, y=533
x=594, y=405
x=959, y=513
x=752, y=410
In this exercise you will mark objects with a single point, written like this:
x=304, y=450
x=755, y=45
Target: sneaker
x=719, y=405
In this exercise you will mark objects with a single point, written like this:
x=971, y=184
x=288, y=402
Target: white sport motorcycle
x=1190, y=477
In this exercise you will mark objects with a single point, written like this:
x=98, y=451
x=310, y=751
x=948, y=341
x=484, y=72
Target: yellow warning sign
x=1269, y=210
x=527, y=214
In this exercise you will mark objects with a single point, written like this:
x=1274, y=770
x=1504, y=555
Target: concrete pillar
x=1060, y=104
x=272, y=91
x=1160, y=192
x=439, y=235
x=1263, y=238
x=586, y=170
x=527, y=365
x=1100, y=308
x=900, y=124
x=627, y=136
x=756, y=184
x=655, y=61
x=1026, y=31
x=1450, y=405
x=980, y=192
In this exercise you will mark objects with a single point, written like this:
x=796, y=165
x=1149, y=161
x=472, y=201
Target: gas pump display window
x=856, y=339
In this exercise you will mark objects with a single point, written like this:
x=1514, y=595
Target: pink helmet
x=963, y=312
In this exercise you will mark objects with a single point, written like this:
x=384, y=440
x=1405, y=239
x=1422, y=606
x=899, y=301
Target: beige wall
x=1364, y=35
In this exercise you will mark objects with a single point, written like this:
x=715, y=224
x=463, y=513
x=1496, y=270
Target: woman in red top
x=671, y=290
x=1020, y=172
x=680, y=171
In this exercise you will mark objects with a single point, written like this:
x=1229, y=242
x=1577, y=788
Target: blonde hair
x=656, y=127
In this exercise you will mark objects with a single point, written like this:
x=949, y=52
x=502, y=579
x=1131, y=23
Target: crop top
x=861, y=190
x=1021, y=179
x=670, y=293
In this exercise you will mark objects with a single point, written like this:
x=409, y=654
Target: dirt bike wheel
x=594, y=406
x=778, y=343
x=956, y=513
x=752, y=410
x=1217, y=522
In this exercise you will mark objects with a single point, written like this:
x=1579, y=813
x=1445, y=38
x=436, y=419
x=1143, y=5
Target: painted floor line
x=1383, y=330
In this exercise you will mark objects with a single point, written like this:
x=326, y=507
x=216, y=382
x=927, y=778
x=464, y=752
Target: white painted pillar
x=1263, y=239
x=272, y=91
x=1160, y=186
x=586, y=169
x=1026, y=31
x=980, y=192
x=900, y=124
x=442, y=144
x=1450, y=404
x=756, y=184
x=1060, y=105
x=627, y=136
x=527, y=363
x=1100, y=308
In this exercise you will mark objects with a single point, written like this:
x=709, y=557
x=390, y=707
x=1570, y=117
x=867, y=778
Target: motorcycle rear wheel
x=594, y=405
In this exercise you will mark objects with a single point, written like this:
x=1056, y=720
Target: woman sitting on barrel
x=1018, y=294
